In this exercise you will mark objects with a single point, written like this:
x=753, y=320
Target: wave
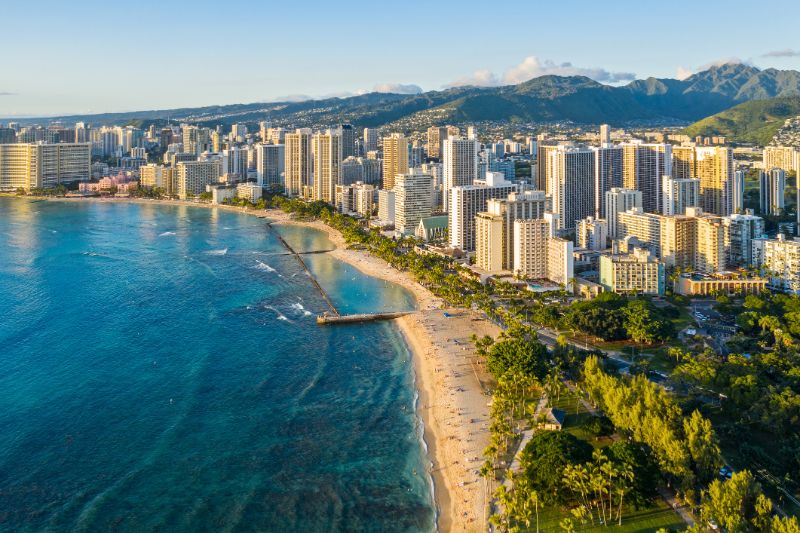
x=281, y=316
x=299, y=308
x=264, y=266
x=166, y=234
x=223, y=251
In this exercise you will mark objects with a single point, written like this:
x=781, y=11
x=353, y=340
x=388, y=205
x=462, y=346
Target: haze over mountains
x=544, y=99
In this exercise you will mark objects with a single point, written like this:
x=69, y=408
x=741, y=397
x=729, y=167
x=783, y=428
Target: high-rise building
x=678, y=241
x=395, y=158
x=355, y=169
x=386, y=206
x=710, y=241
x=714, y=169
x=683, y=162
x=494, y=230
x=779, y=260
x=355, y=198
x=543, y=165
x=270, y=164
x=466, y=202
x=196, y=140
x=783, y=157
x=742, y=230
x=459, y=163
x=436, y=137
x=646, y=227
x=276, y=135
x=157, y=176
x=193, y=176
x=82, y=133
x=327, y=149
x=489, y=240
x=678, y=194
x=348, y=134
x=7, y=136
x=771, y=191
x=608, y=175
x=571, y=182
x=737, y=202
x=370, y=140
x=619, y=200
x=605, y=134
x=298, y=161
x=238, y=133
x=234, y=163
x=591, y=233
x=217, y=144
x=560, y=261
x=27, y=166
x=643, y=167
x=412, y=201
x=530, y=248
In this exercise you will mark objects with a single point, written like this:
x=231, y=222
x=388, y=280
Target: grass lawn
x=649, y=520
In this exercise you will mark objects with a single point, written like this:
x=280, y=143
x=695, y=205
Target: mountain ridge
x=549, y=98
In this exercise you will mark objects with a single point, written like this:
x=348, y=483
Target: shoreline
x=451, y=404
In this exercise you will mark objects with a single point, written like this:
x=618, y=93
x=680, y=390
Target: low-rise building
x=638, y=272
x=221, y=192
x=722, y=283
x=251, y=192
x=432, y=229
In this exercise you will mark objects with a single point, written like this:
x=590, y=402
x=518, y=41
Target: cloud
x=292, y=98
x=6, y=93
x=682, y=73
x=786, y=52
x=533, y=67
x=721, y=62
x=399, y=88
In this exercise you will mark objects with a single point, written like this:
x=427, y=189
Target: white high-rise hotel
x=460, y=164
x=412, y=200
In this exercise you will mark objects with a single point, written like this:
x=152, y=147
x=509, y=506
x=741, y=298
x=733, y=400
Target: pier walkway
x=327, y=319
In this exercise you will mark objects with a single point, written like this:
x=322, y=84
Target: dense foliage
x=610, y=316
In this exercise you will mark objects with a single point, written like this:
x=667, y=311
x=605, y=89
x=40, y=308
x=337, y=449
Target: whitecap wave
x=281, y=316
x=217, y=252
x=263, y=266
x=166, y=234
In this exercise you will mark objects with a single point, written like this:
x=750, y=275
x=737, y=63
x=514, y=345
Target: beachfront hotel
x=38, y=165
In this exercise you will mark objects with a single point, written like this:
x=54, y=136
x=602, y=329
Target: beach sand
x=451, y=384
x=450, y=379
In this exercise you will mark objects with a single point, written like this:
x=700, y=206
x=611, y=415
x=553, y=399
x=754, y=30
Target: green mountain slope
x=756, y=121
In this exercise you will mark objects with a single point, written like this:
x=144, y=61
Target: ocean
x=161, y=370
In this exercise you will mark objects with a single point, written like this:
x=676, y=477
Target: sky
x=86, y=56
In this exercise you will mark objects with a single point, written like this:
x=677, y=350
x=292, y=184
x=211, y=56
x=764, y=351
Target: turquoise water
x=161, y=370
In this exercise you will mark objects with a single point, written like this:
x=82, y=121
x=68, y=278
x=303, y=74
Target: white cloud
x=682, y=73
x=786, y=52
x=291, y=98
x=398, y=88
x=533, y=67
x=721, y=62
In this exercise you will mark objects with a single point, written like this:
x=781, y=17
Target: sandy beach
x=451, y=384
x=452, y=402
